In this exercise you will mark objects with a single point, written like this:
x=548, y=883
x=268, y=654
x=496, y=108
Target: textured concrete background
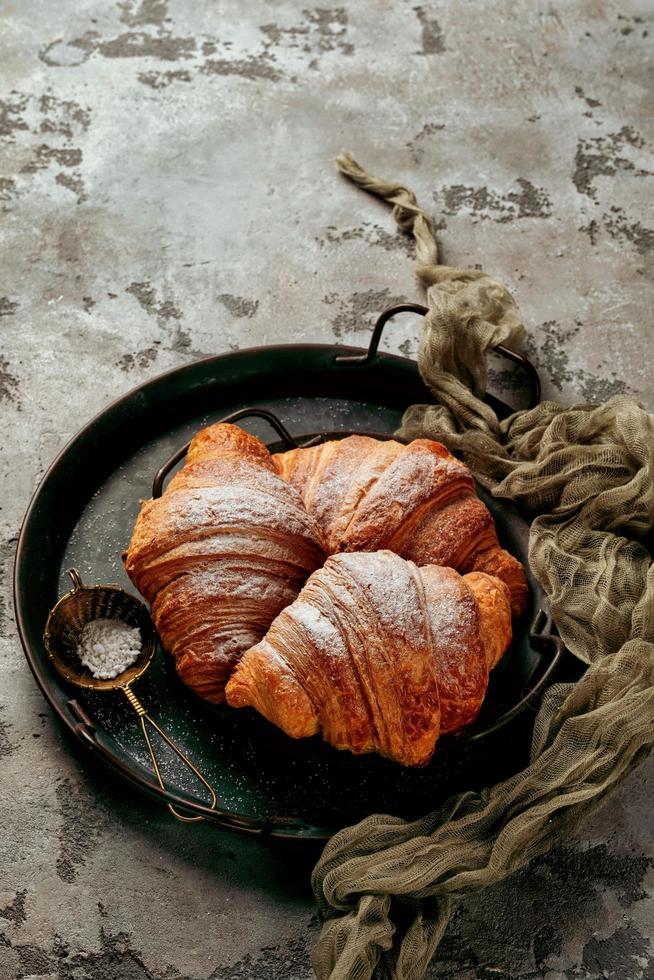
x=167, y=191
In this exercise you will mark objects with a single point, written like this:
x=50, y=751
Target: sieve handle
x=146, y=720
x=75, y=579
x=369, y=356
x=259, y=413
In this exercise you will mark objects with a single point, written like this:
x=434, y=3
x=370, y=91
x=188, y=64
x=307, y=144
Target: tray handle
x=391, y=311
x=242, y=413
x=546, y=641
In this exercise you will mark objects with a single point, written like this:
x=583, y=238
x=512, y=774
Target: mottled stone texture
x=167, y=190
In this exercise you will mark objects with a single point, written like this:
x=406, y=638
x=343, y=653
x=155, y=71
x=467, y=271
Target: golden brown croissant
x=226, y=547
x=416, y=500
x=379, y=655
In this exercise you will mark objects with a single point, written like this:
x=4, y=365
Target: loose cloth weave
x=583, y=476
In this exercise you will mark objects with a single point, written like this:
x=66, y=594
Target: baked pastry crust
x=220, y=554
x=378, y=655
x=416, y=500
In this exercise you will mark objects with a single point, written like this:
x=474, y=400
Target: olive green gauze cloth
x=583, y=476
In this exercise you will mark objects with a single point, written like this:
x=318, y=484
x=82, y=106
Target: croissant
x=416, y=500
x=378, y=654
x=226, y=547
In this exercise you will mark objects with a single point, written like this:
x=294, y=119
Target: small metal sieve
x=62, y=631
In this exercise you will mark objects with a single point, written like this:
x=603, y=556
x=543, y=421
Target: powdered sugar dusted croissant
x=416, y=500
x=379, y=655
x=226, y=547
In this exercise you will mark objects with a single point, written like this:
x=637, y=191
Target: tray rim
x=82, y=727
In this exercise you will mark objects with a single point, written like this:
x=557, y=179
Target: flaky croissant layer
x=226, y=547
x=416, y=500
x=379, y=655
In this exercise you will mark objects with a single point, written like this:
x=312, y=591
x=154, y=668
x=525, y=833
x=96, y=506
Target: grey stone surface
x=167, y=190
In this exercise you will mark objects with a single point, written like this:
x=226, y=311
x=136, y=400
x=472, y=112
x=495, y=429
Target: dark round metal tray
x=82, y=515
